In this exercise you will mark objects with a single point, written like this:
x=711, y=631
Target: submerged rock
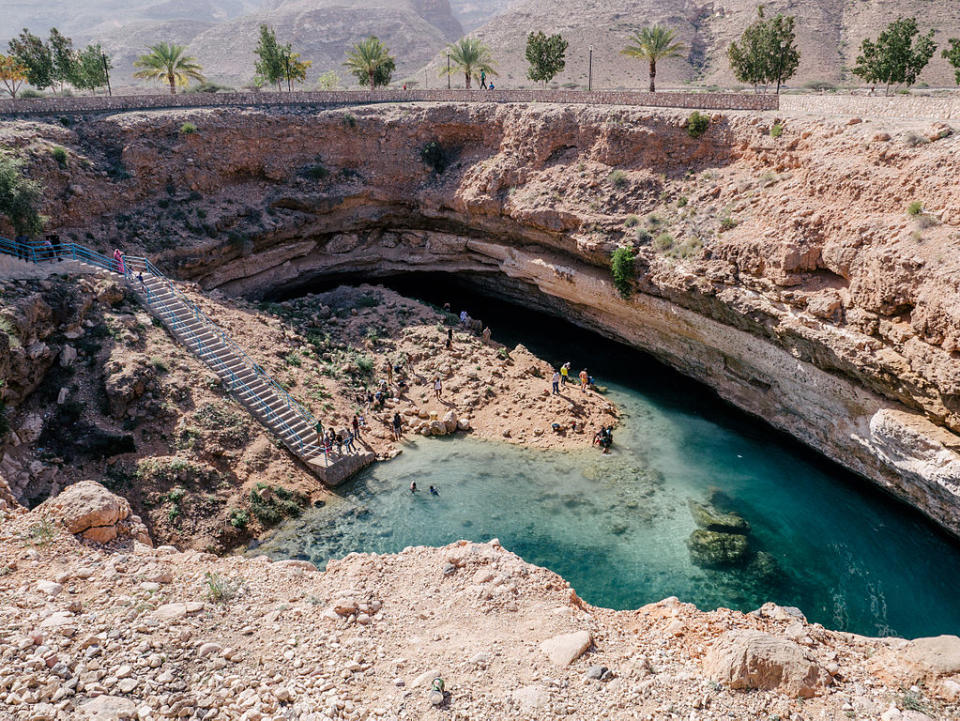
x=712, y=549
x=711, y=519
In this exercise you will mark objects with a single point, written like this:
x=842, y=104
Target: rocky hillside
x=799, y=266
x=129, y=631
x=829, y=35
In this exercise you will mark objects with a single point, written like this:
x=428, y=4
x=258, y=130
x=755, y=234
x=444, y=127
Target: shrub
x=42, y=532
x=188, y=129
x=239, y=518
x=622, y=269
x=654, y=220
x=663, y=242
x=30, y=93
x=631, y=221
x=618, y=179
x=293, y=358
x=915, y=208
x=776, y=130
x=682, y=201
x=926, y=220
x=697, y=124
x=317, y=171
x=642, y=236
x=365, y=364
x=433, y=155
x=349, y=120
x=272, y=507
x=503, y=354
x=221, y=589
x=60, y=155
x=159, y=364
x=727, y=223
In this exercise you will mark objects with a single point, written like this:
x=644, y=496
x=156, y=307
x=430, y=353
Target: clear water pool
x=616, y=526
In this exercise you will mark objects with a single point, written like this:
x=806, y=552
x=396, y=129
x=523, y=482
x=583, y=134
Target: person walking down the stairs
x=118, y=261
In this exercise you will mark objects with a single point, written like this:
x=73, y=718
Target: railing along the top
x=199, y=315
x=128, y=267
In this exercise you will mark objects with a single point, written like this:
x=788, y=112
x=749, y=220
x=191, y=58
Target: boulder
x=450, y=421
x=712, y=549
x=710, y=519
x=566, y=648
x=920, y=660
x=90, y=510
x=438, y=428
x=746, y=659
x=107, y=708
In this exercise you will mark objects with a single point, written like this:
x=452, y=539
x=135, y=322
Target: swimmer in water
x=413, y=487
x=434, y=491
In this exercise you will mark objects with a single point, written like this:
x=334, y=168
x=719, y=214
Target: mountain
x=474, y=13
x=322, y=31
x=829, y=33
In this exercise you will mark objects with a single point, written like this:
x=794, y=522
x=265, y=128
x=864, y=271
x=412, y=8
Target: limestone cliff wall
x=776, y=259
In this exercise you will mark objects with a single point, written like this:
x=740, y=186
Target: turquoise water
x=616, y=526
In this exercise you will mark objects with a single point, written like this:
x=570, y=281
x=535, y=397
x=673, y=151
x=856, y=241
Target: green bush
x=221, y=589
x=642, y=236
x=239, y=518
x=365, y=364
x=618, y=179
x=915, y=208
x=317, y=171
x=697, y=124
x=188, y=129
x=776, y=130
x=727, y=223
x=434, y=155
x=682, y=201
x=277, y=504
x=159, y=364
x=631, y=221
x=663, y=242
x=60, y=155
x=622, y=269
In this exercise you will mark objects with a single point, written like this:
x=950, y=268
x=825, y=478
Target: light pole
x=106, y=71
x=590, y=71
x=448, y=71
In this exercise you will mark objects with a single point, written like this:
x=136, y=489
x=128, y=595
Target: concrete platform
x=340, y=470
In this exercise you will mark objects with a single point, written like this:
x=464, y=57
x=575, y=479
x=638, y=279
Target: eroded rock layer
x=803, y=268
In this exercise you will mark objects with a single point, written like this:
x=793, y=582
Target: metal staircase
x=266, y=400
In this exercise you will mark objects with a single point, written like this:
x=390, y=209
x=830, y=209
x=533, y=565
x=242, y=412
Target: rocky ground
x=103, y=392
x=129, y=631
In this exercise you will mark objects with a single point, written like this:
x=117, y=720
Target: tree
x=12, y=74
x=652, y=44
x=34, y=54
x=897, y=56
x=370, y=61
x=63, y=56
x=471, y=57
x=294, y=69
x=167, y=63
x=18, y=197
x=767, y=51
x=546, y=56
x=953, y=57
x=328, y=81
x=270, y=61
x=783, y=58
x=91, y=69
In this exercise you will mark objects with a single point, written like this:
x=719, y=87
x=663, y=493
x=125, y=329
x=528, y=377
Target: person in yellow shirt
x=564, y=373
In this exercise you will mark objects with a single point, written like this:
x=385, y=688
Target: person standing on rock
x=397, y=427
x=437, y=387
x=449, y=338
x=564, y=373
x=319, y=429
x=356, y=425
x=556, y=383
x=584, y=377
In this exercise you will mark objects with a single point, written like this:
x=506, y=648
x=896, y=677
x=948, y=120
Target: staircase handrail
x=305, y=414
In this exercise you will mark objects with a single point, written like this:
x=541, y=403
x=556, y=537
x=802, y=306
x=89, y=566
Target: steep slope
x=829, y=33
x=324, y=30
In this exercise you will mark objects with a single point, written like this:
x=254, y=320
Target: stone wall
x=703, y=101
x=931, y=107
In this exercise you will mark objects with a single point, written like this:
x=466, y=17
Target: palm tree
x=167, y=63
x=370, y=59
x=472, y=57
x=652, y=44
